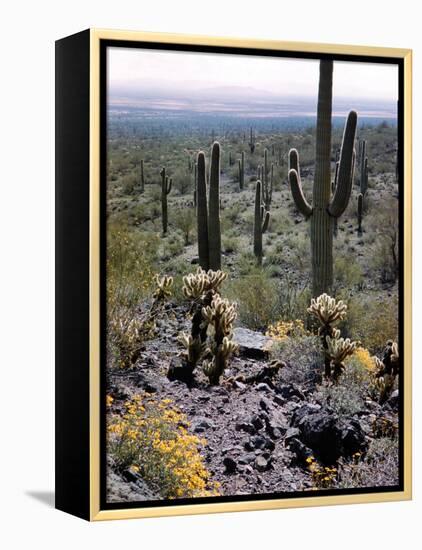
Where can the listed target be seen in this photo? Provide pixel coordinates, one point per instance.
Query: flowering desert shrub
(151, 437)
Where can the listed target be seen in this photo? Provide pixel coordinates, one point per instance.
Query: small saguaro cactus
(208, 212)
(142, 177)
(267, 185)
(252, 142)
(261, 221)
(363, 167)
(242, 171)
(166, 184)
(325, 207)
(360, 213)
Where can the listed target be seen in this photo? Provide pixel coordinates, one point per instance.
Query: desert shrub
(348, 396)
(131, 255)
(255, 294)
(185, 221)
(152, 437)
(347, 274)
(323, 477)
(378, 468)
(172, 245)
(302, 355)
(230, 244)
(285, 329)
(372, 321)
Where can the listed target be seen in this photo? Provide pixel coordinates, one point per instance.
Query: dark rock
(194, 260)
(178, 370)
(245, 427)
(264, 404)
(246, 459)
(278, 400)
(230, 464)
(291, 433)
(252, 344)
(288, 391)
(327, 435)
(261, 464)
(394, 400)
(300, 449)
(263, 387)
(201, 424)
(276, 424)
(261, 442)
(257, 422)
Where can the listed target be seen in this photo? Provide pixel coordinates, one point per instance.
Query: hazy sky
(179, 71)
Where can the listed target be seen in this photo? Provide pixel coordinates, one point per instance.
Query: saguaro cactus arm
(343, 188)
(296, 186)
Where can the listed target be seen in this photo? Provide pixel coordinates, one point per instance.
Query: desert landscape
(252, 289)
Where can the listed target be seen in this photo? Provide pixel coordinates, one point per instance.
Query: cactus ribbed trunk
(257, 233)
(214, 232)
(261, 220)
(321, 223)
(202, 213)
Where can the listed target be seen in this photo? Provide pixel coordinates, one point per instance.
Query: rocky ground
(259, 426)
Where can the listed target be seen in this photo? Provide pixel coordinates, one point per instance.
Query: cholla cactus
(337, 350)
(385, 385)
(196, 285)
(163, 290)
(200, 287)
(194, 348)
(220, 316)
(328, 311)
(387, 370)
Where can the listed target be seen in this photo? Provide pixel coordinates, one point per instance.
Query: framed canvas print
(233, 274)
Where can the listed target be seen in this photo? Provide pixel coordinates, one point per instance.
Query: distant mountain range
(238, 101)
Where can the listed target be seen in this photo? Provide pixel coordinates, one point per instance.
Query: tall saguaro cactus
(325, 207)
(166, 183)
(242, 171)
(214, 232)
(252, 142)
(208, 212)
(261, 220)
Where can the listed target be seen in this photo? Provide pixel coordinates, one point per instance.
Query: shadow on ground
(45, 497)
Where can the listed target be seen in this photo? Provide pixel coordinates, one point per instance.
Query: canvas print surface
(253, 276)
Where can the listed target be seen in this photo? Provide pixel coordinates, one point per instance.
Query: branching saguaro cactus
(200, 288)
(325, 207)
(252, 141)
(261, 221)
(328, 311)
(242, 171)
(220, 315)
(208, 213)
(166, 184)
